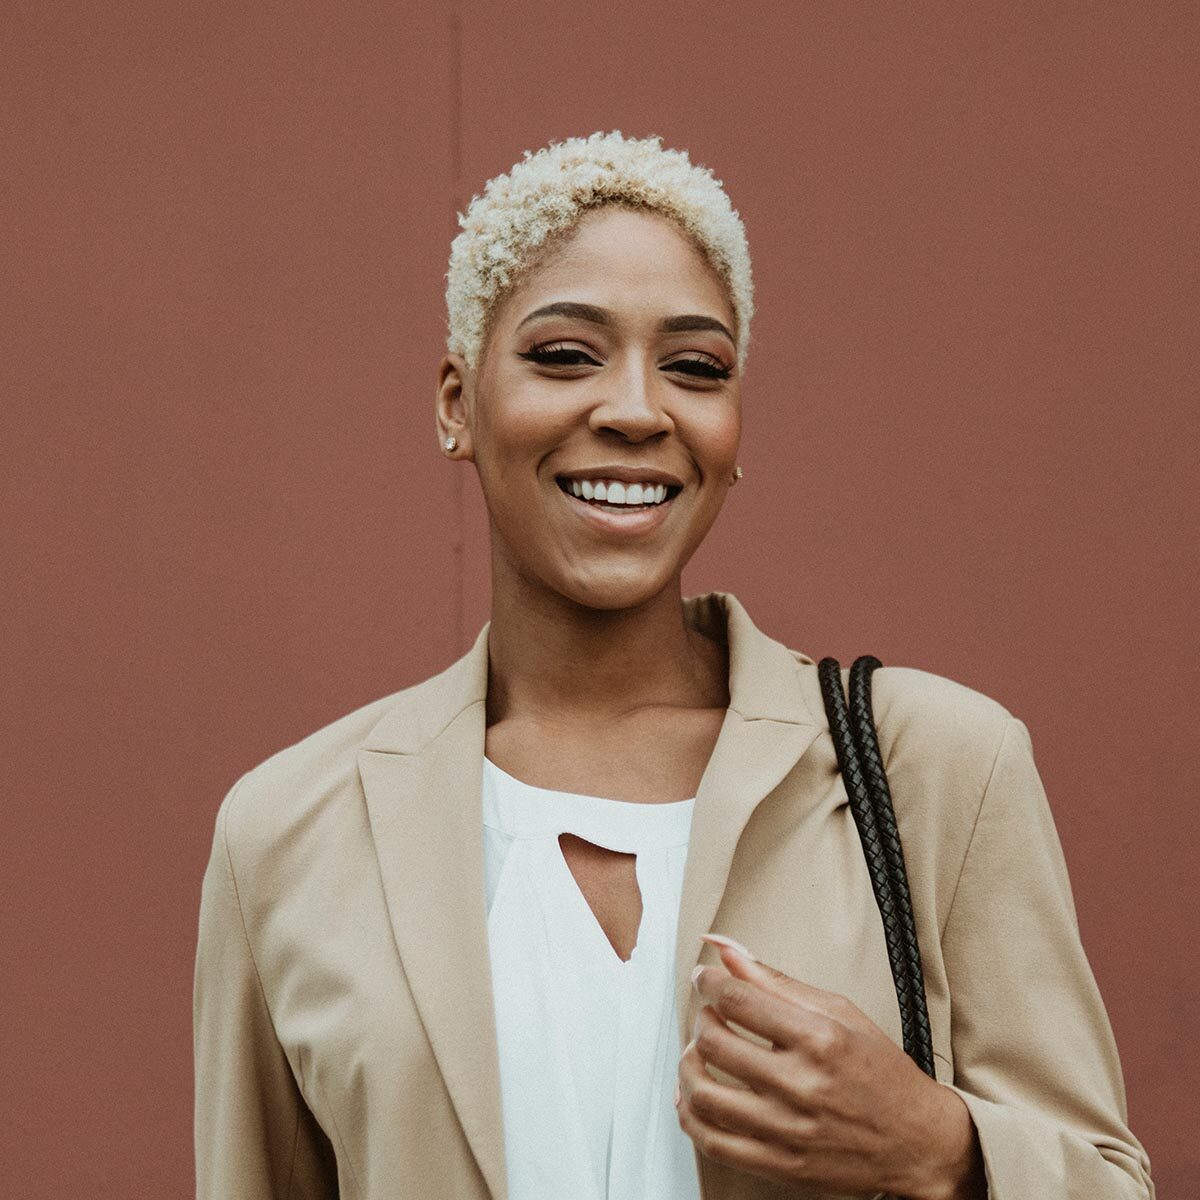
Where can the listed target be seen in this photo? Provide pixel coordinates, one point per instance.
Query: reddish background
(971, 424)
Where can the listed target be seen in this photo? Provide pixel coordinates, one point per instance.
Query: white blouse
(589, 1044)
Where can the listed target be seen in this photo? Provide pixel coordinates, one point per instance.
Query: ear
(453, 403)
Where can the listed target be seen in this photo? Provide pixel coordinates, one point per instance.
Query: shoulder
(295, 796)
(927, 723)
(941, 741)
(921, 707)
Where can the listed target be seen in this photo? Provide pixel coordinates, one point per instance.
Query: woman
(459, 942)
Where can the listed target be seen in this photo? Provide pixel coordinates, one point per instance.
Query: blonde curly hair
(546, 194)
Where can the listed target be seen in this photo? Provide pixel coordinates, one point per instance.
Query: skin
(831, 1102)
(565, 599)
(598, 685)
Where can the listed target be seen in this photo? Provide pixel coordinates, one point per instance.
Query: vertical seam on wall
(457, 555)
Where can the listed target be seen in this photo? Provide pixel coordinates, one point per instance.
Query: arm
(1035, 1061)
(255, 1138)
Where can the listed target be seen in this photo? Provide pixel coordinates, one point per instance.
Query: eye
(557, 355)
(708, 368)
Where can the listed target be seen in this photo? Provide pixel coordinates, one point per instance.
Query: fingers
(754, 1065)
(773, 1015)
(806, 995)
(732, 1124)
(737, 1150)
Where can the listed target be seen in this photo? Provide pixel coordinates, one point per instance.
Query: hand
(832, 1102)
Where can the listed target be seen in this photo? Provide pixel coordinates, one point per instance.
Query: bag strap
(861, 765)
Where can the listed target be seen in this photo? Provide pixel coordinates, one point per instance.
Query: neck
(554, 660)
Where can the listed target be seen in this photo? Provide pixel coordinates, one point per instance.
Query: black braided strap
(918, 1038)
(863, 808)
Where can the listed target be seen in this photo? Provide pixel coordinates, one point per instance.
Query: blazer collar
(421, 767)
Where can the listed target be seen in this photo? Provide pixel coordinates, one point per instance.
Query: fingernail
(677, 1095)
(720, 939)
(696, 974)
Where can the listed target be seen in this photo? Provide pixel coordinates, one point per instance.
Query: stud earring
(451, 443)
(737, 474)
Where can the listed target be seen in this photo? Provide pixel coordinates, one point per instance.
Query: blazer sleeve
(255, 1137)
(1035, 1060)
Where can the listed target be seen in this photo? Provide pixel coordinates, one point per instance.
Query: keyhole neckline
(522, 810)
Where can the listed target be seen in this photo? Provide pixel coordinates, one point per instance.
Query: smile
(632, 508)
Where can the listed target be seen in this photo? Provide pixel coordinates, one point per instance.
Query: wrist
(952, 1168)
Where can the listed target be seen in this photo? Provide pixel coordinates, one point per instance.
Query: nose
(632, 405)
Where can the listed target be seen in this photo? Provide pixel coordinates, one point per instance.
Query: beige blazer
(344, 1035)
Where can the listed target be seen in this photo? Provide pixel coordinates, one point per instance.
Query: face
(611, 363)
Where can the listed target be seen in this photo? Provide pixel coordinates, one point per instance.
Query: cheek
(719, 434)
(512, 439)
(527, 420)
(525, 423)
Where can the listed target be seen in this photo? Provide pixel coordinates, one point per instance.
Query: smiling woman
(614, 362)
(450, 945)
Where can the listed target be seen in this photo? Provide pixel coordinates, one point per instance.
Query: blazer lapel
(767, 729)
(422, 773)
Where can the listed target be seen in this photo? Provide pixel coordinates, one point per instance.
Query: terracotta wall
(970, 436)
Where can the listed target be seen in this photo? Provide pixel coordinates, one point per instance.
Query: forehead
(625, 259)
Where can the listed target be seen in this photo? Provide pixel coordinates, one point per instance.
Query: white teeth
(612, 491)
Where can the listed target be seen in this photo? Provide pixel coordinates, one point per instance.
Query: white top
(589, 1044)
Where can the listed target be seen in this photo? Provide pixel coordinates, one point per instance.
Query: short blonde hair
(547, 193)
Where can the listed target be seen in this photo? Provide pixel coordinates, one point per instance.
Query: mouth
(622, 517)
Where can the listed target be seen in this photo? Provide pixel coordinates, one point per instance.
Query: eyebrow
(601, 316)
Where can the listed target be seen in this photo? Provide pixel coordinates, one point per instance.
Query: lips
(622, 519)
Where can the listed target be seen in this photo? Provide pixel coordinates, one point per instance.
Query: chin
(614, 590)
